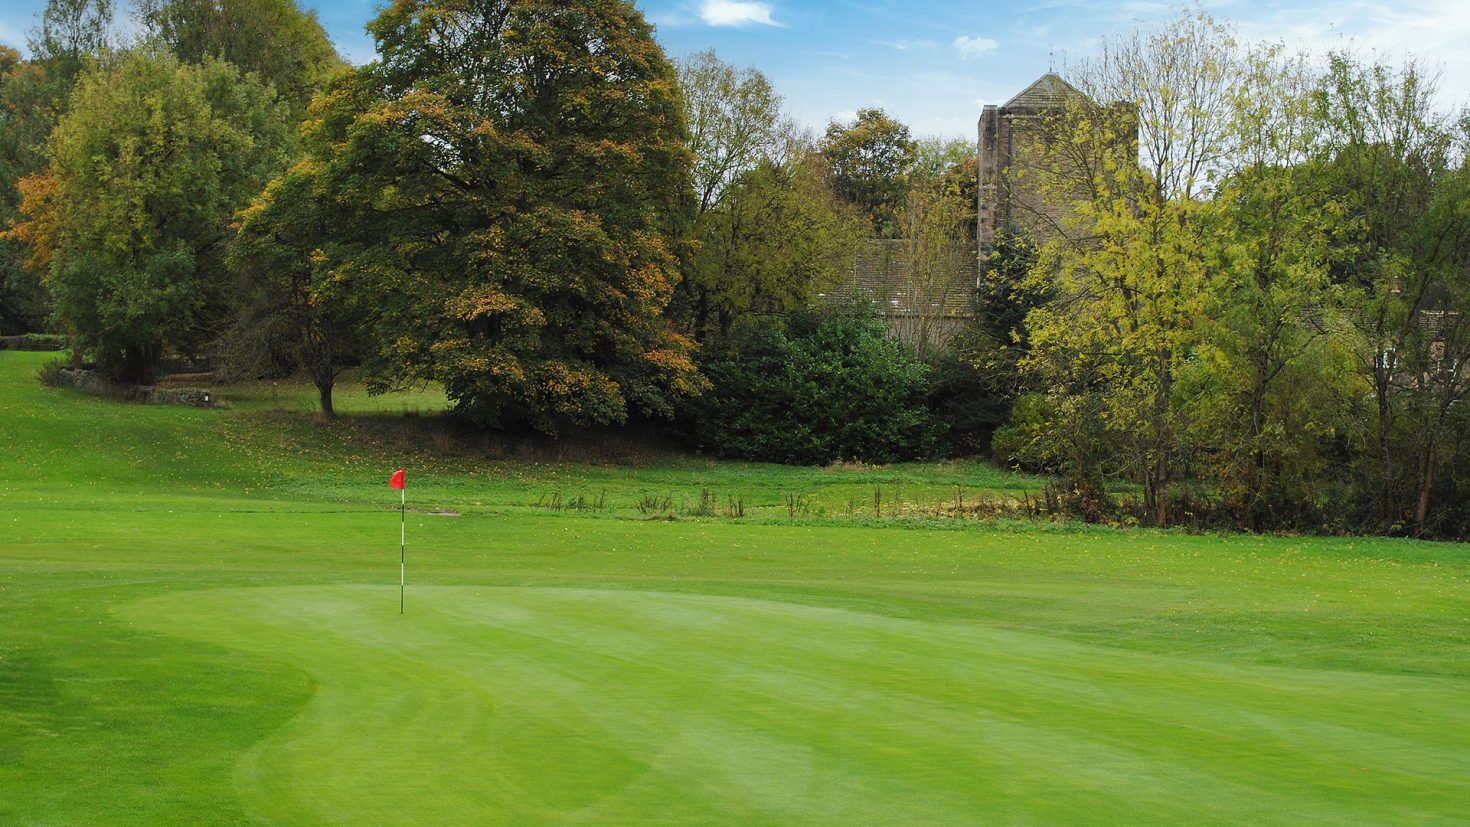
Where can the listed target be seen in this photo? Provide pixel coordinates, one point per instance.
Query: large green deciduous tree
(278, 41)
(507, 186)
(871, 159)
(132, 216)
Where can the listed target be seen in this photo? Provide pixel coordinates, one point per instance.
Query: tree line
(524, 201)
(1246, 305)
(1256, 287)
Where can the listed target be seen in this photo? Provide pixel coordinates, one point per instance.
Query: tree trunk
(324, 392)
(1150, 492)
(1385, 454)
(140, 364)
(1163, 440)
(1257, 477)
(1161, 498)
(727, 322)
(701, 314)
(1428, 459)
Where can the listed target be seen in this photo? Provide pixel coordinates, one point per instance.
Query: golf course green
(199, 624)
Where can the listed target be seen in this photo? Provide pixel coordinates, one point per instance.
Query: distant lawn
(200, 626)
(272, 429)
(349, 396)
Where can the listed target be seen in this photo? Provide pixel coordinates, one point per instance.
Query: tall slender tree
(1127, 260)
(735, 123)
(293, 305)
(1274, 340)
(1390, 151)
(69, 33)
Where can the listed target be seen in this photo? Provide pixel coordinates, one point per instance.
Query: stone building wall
(931, 307)
(1009, 140)
(925, 310)
(1013, 147)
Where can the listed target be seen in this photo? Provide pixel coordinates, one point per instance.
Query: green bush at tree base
(825, 386)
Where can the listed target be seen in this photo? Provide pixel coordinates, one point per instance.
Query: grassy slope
(559, 667)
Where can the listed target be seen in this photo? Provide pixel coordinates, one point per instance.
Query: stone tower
(1005, 132)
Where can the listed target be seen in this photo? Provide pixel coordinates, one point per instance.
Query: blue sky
(934, 63)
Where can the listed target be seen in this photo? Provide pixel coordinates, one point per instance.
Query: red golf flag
(397, 481)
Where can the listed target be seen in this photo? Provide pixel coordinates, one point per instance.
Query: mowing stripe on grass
(536, 705)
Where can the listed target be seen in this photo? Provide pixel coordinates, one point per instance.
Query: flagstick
(402, 541)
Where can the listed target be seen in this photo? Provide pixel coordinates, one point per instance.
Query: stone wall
(923, 309)
(33, 341)
(92, 382)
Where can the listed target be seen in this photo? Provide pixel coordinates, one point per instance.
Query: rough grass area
(200, 625)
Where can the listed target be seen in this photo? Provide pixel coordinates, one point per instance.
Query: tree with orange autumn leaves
(39, 231)
(28, 98)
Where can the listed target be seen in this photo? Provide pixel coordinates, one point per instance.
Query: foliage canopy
(131, 218)
(507, 187)
(871, 159)
(275, 39)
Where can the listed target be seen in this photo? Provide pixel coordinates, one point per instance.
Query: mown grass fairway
(198, 624)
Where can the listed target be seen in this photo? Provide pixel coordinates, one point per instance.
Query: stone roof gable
(1047, 92)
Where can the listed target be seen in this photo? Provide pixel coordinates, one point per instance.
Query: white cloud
(672, 18)
(907, 44)
(1432, 30)
(736, 13)
(969, 47)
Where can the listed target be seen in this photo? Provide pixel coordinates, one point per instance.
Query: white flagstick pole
(402, 541)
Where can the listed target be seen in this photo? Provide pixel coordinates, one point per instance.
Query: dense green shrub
(975, 380)
(50, 373)
(969, 394)
(816, 389)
